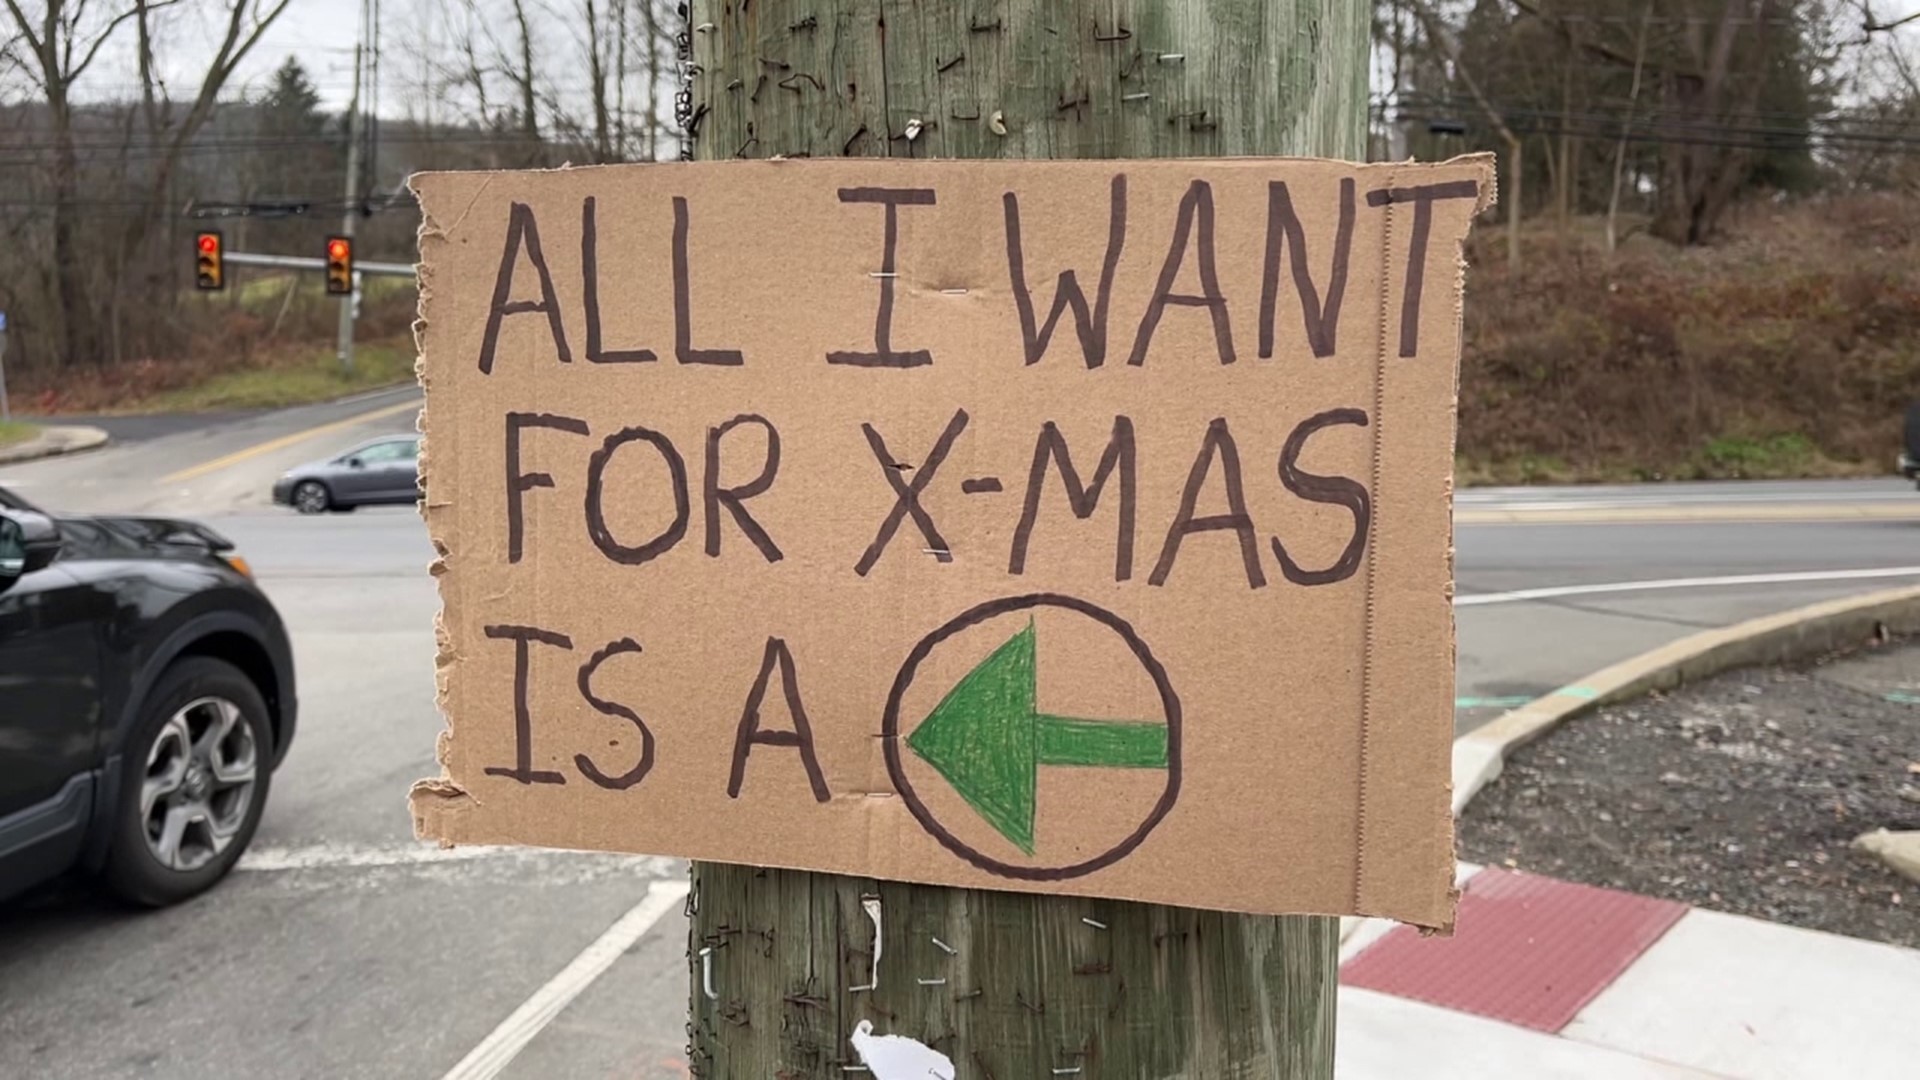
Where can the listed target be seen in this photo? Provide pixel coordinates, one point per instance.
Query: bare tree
(62, 43)
(246, 22)
(62, 39)
(522, 76)
(570, 67)
(1711, 69)
(1438, 33)
(599, 42)
(1871, 24)
(1702, 179)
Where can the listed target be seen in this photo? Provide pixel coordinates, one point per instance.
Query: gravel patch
(1738, 794)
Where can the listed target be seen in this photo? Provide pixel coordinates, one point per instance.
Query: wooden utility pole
(1035, 986)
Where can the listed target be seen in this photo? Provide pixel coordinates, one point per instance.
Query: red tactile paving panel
(1527, 950)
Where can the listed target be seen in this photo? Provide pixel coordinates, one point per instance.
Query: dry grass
(266, 343)
(295, 379)
(13, 431)
(1790, 349)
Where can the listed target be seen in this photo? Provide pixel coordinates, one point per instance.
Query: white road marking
(331, 856)
(328, 856)
(1625, 499)
(1551, 592)
(500, 1047)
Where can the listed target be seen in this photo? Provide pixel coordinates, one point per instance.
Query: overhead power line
(1642, 109)
(1828, 131)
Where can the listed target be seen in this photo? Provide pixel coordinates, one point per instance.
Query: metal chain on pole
(684, 116)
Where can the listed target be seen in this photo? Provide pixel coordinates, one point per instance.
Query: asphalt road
(345, 948)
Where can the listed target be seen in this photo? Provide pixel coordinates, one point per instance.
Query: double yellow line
(194, 472)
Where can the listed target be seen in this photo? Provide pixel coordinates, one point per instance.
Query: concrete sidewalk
(1546, 978)
(52, 441)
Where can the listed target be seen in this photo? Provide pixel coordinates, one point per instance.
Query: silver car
(381, 471)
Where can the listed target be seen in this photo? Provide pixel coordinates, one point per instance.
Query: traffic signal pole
(1011, 986)
(352, 214)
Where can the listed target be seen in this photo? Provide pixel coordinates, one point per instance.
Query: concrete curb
(53, 441)
(1480, 754)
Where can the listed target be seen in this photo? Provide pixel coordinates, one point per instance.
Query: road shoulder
(53, 441)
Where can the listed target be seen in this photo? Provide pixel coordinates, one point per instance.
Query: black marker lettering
(1218, 441)
(522, 232)
(1338, 490)
(1082, 499)
(590, 294)
(683, 349)
(735, 497)
(1284, 229)
(518, 483)
(749, 734)
(1422, 199)
(883, 354)
(907, 494)
(1090, 325)
(522, 638)
(613, 708)
(596, 483)
(1196, 213)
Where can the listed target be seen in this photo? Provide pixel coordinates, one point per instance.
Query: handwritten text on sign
(1057, 526)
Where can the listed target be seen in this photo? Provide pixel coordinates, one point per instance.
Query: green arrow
(988, 738)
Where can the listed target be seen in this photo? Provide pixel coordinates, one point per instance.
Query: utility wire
(1623, 105)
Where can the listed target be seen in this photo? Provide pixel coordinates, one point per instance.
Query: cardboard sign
(1065, 527)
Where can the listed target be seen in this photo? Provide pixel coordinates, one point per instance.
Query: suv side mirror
(29, 541)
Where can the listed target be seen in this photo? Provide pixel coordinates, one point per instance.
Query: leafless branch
(113, 24)
(26, 25)
(1442, 37)
(1871, 25)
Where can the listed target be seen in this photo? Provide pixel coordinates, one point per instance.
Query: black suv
(146, 695)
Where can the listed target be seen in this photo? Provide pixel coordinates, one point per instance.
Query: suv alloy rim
(199, 783)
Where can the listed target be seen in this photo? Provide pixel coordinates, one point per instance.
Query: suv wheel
(194, 782)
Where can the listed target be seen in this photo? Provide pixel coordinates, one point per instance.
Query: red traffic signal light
(339, 265)
(209, 269)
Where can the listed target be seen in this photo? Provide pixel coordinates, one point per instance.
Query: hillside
(1791, 347)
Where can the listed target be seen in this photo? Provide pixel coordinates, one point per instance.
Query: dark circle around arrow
(974, 616)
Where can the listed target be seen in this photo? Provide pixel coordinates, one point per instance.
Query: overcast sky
(320, 33)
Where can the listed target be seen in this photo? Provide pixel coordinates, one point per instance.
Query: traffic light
(209, 270)
(340, 265)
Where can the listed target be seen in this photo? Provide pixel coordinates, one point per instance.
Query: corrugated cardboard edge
(433, 800)
(1487, 166)
(1489, 197)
